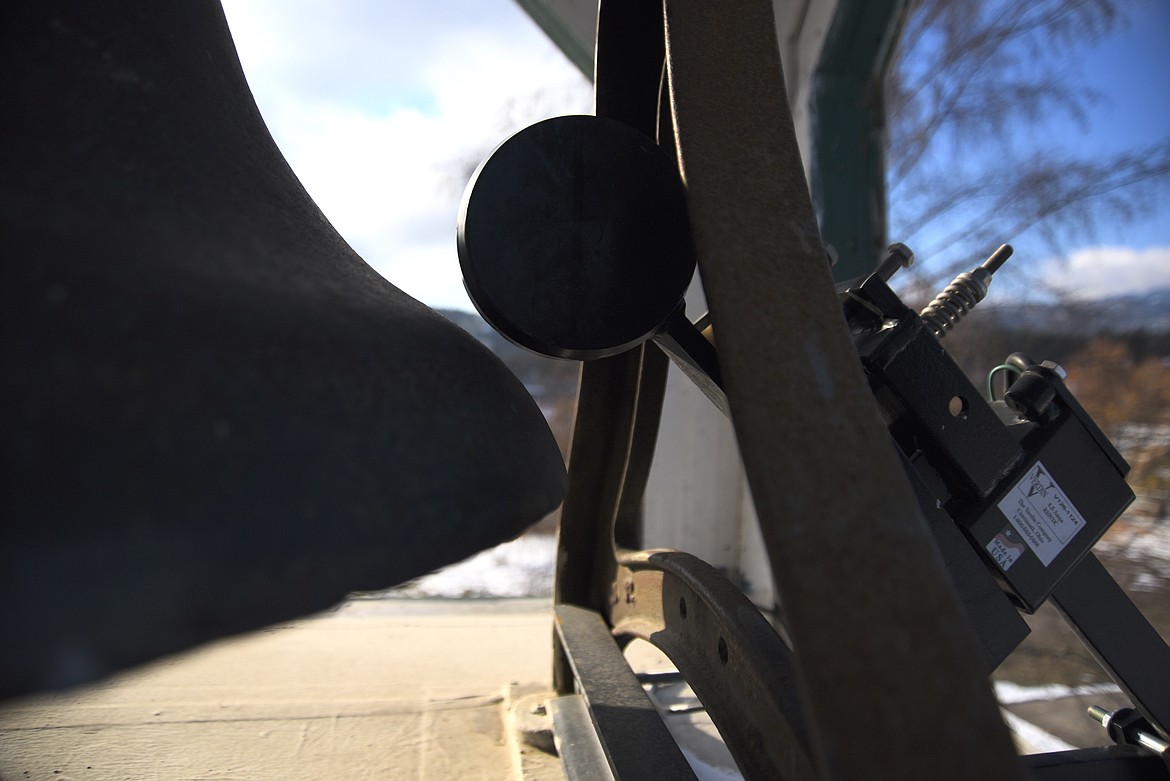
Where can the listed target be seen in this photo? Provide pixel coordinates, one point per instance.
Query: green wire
(991, 377)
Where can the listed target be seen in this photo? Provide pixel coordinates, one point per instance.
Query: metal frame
(745, 674)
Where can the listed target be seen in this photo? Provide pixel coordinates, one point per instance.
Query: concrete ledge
(382, 689)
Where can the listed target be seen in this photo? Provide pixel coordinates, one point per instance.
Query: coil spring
(956, 301)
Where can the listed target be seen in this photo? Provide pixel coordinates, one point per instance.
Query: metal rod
(636, 741)
(998, 258)
(898, 257)
(1119, 636)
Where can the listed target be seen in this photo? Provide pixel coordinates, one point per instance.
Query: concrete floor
(378, 689)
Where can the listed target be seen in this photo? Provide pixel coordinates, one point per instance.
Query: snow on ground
(520, 568)
(1142, 539)
(524, 566)
(1012, 694)
(1131, 437)
(1037, 740)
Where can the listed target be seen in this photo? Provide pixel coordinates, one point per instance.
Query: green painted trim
(848, 167)
(848, 171)
(580, 53)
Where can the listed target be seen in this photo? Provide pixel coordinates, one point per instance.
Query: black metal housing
(1034, 485)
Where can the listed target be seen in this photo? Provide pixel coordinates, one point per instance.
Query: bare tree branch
(976, 92)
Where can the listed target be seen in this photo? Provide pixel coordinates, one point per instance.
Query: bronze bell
(215, 415)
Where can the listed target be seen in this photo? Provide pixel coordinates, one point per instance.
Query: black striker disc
(574, 238)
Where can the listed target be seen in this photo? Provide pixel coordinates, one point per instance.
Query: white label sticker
(1042, 513)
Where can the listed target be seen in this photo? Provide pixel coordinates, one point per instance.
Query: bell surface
(215, 415)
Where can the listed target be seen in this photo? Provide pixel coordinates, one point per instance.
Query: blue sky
(1133, 67)
(1129, 72)
(379, 106)
(382, 106)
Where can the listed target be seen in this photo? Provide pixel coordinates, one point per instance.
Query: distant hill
(1044, 331)
(1058, 332)
(1149, 312)
(545, 378)
(1139, 312)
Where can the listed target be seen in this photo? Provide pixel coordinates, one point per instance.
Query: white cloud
(1100, 272)
(378, 107)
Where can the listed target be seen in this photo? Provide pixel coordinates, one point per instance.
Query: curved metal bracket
(733, 659)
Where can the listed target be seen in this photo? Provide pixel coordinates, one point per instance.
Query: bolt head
(1057, 368)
